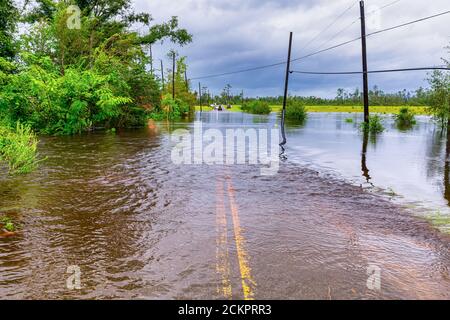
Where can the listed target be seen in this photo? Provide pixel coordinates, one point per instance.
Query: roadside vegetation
(18, 148)
(69, 73)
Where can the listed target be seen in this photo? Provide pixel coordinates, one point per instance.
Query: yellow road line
(222, 253)
(248, 283)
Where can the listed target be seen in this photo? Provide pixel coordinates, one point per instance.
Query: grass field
(345, 109)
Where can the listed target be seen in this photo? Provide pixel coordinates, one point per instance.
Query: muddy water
(139, 226)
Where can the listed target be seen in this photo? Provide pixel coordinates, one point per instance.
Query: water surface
(140, 227)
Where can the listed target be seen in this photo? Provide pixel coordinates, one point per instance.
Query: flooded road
(138, 226)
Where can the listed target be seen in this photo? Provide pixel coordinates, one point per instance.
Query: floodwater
(340, 219)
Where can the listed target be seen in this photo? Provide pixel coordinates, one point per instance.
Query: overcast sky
(230, 35)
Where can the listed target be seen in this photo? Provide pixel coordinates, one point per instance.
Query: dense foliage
(68, 78)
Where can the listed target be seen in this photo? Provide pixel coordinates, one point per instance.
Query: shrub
(405, 118)
(256, 107)
(18, 148)
(171, 109)
(296, 111)
(374, 126)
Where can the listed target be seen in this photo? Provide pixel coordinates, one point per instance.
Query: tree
(8, 23)
(440, 95)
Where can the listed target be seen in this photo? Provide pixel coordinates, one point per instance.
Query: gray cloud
(233, 35)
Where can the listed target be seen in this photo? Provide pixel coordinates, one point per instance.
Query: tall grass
(18, 148)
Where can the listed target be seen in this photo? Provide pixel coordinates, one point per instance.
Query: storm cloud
(233, 35)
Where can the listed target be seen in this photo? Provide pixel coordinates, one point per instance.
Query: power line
(409, 23)
(371, 34)
(331, 24)
(383, 7)
(353, 22)
(323, 50)
(374, 71)
(240, 71)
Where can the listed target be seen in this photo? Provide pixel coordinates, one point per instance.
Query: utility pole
(162, 74)
(200, 96)
(364, 63)
(242, 98)
(151, 60)
(186, 80)
(173, 75)
(286, 87)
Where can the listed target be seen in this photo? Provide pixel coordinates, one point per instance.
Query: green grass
(18, 148)
(343, 109)
(440, 221)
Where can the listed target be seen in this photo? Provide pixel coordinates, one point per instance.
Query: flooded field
(139, 226)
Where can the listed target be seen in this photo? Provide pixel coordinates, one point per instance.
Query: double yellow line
(223, 261)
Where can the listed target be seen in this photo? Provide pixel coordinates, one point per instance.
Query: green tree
(439, 96)
(8, 23)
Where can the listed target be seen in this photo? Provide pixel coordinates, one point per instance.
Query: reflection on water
(139, 226)
(364, 168)
(410, 164)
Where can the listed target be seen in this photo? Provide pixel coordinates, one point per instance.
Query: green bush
(18, 148)
(256, 107)
(171, 109)
(405, 118)
(374, 126)
(296, 111)
(63, 105)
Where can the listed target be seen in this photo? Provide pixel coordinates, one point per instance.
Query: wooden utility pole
(162, 74)
(364, 63)
(173, 75)
(186, 80)
(151, 60)
(286, 88)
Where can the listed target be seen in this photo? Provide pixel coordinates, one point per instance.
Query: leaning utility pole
(162, 74)
(286, 87)
(364, 63)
